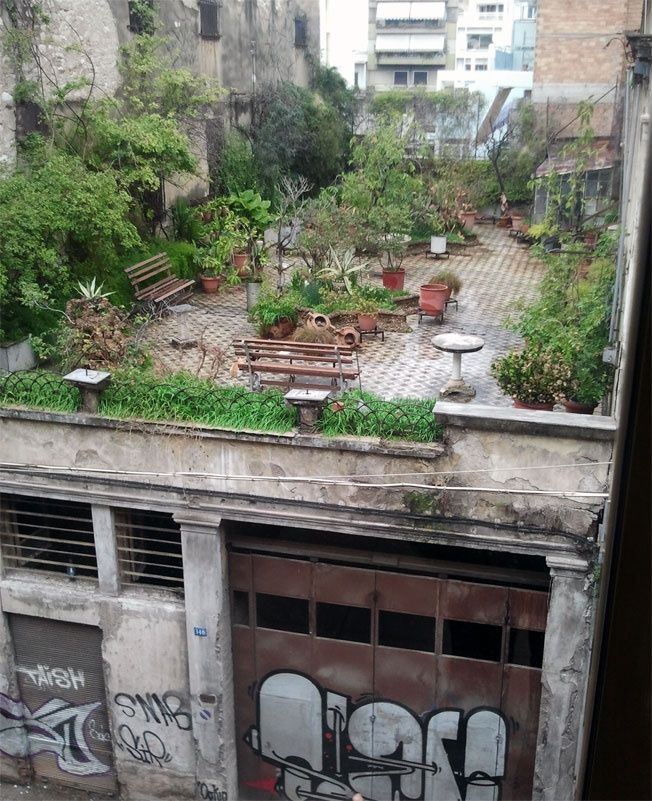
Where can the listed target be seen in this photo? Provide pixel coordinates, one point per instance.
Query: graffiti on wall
(160, 711)
(167, 709)
(46, 676)
(56, 727)
(327, 747)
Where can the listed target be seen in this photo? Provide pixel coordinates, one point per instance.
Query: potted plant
(276, 315)
(433, 297)
(392, 249)
(438, 240)
(342, 269)
(451, 280)
(211, 262)
(535, 377)
(589, 379)
(367, 311)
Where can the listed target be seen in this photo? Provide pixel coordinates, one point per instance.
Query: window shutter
(209, 19)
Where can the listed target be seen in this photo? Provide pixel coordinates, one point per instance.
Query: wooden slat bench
(296, 365)
(155, 283)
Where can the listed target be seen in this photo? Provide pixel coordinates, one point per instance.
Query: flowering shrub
(533, 375)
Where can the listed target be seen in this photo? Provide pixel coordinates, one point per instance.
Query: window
(467, 67)
(401, 630)
(472, 640)
(420, 78)
(526, 648)
(400, 78)
(209, 19)
(300, 32)
(491, 8)
(149, 548)
(340, 622)
(481, 67)
(281, 613)
(47, 535)
(240, 608)
(478, 41)
(141, 16)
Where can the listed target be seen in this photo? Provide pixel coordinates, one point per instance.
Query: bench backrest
(149, 271)
(282, 350)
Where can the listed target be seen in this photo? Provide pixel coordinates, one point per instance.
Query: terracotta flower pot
(281, 329)
(240, 258)
(469, 218)
(367, 322)
(210, 283)
(504, 222)
(432, 298)
(539, 407)
(394, 279)
(517, 222)
(579, 408)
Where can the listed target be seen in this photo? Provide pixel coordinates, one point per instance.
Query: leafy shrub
(271, 308)
(237, 168)
(533, 375)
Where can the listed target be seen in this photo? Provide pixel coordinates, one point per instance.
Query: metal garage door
(63, 701)
(391, 685)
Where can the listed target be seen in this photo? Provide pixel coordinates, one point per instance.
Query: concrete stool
(456, 389)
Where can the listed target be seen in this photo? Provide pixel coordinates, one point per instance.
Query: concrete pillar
(106, 549)
(210, 664)
(564, 678)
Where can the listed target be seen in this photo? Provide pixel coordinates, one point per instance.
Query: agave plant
(341, 269)
(91, 290)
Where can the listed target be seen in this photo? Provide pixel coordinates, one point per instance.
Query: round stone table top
(458, 343)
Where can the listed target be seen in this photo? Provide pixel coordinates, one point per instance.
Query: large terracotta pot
(210, 283)
(539, 407)
(432, 298)
(579, 408)
(394, 279)
(469, 218)
(239, 259)
(517, 222)
(367, 322)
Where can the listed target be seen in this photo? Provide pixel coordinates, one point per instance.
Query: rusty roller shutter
(63, 701)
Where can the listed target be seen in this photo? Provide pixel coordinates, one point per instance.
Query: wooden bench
(296, 365)
(154, 282)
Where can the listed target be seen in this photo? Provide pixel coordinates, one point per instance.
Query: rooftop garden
(299, 209)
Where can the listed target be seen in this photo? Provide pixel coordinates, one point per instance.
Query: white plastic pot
(438, 244)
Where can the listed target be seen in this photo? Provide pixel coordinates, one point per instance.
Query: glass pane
(339, 622)
(401, 630)
(240, 608)
(526, 648)
(281, 613)
(472, 640)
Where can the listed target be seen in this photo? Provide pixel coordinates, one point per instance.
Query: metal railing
(149, 549)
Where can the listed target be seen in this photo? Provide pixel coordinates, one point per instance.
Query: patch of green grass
(184, 398)
(40, 390)
(363, 414)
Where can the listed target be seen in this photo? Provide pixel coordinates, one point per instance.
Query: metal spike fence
(183, 398)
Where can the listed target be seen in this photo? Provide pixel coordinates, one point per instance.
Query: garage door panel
(528, 609)
(465, 601)
(344, 585)
(417, 594)
(520, 705)
(240, 568)
(275, 575)
(343, 667)
(467, 683)
(277, 650)
(407, 677)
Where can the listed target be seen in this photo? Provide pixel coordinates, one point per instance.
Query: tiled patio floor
(495, 274)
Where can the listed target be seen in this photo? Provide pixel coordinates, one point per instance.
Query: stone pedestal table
(456, 389)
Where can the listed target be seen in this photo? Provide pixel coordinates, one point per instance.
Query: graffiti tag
(45, 676)
(56, 727)
(147, 747)
(211, 792)
(168, 709)
(327, 747)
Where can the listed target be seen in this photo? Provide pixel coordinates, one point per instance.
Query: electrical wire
(346, 481)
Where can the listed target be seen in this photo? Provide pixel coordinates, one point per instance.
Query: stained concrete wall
(145, 670)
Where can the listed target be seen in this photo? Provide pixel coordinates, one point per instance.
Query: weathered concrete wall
(7, 111)
(146, 675)
(416, 501)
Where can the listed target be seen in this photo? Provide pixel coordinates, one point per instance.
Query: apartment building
(409, 41)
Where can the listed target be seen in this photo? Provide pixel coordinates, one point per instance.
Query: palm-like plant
(92, 290)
